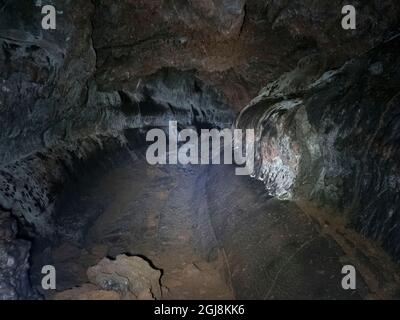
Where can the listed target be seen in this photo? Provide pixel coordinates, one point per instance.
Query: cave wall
(65, 93)
(29, 185)
(335, 141)
(44, 74)
(14, 263)
(58, 85)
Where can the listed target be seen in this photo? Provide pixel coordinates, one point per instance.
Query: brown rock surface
(125, 278)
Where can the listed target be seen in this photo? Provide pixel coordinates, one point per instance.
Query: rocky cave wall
(335, 141)
(67, 95)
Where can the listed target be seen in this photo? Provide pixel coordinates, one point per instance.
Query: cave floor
(162, 223)
(153, 212)
(259, 247)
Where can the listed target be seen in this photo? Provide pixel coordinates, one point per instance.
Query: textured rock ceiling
(237, 45)
(102, 47)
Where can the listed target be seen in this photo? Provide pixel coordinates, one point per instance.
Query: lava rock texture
(14, 266)
(125, 278)
(70, 94)
(335, 140)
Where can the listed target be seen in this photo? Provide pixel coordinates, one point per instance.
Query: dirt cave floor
(213, 235)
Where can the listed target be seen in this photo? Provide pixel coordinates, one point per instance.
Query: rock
(43, 74)
(125, 278)
(29, 186)
(237, 46)
(87, 292)
(65, 85)
(8, 227)
(68, 97)
(14, 254)
(132, 275)
(14, 266)
(334, 141)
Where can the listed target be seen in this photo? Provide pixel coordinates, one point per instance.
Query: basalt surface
(335, 141)
(73, 100)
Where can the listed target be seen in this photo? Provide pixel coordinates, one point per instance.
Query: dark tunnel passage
(214, 235)
(317, 109)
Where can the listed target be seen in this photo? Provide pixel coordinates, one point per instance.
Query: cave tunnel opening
(211, 233)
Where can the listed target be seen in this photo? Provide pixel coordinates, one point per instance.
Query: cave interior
(78, 194)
